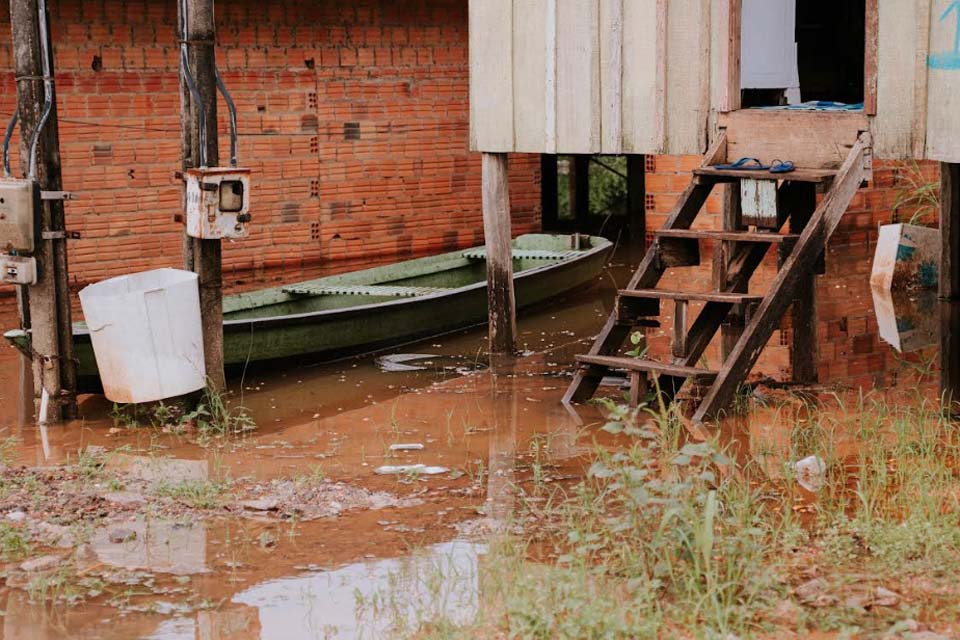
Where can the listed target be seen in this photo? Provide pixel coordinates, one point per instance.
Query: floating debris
(810, 473)
(396, 361)
(412, 446)
(414, 469)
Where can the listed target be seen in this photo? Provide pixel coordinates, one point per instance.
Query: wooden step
(713, 174)
(732, 236)
(648, 366)
(709, 296)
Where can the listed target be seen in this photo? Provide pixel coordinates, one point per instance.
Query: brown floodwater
(359, 573)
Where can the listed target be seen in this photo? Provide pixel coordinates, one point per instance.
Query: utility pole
(197, 33)
(54, 366)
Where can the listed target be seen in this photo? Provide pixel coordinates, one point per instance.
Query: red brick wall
(299, 72)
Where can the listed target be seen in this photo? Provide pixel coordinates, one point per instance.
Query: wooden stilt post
(950, 231)
(580, 191)
(950, 285)
(54, 367)
(798, 200)
(196, 21)
(637, 198)
(501, 307)
(732, 220)
(549, 205)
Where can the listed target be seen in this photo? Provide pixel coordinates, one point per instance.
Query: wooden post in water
(637, 197)
(54, 366)
(501, 305)
(799, 201)
(580, 191)
(950, 231)
(549, 202)
(950, 285)
(196, 21)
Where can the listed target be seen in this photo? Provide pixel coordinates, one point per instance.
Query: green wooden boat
(375, 308)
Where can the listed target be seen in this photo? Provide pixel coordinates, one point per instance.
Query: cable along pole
(54, 364)
(198, 99)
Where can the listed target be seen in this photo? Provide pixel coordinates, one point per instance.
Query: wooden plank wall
(943, 86)
(589, 76)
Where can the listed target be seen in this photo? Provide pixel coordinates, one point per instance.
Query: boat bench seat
(525, 254)
(361, 290)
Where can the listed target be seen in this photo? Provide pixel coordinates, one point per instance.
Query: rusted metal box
(218, 202)
(19, 206)
(18, 269)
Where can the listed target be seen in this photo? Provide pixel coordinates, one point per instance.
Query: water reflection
(372, 599)
(907, 321)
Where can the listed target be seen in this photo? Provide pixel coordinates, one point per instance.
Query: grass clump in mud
(669, 537)
(211, 416)
(196, 494)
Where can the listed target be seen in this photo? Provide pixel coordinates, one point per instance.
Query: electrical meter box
(19, 207)
(218, 202)
(18, 269)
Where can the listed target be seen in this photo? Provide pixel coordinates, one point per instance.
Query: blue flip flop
(784, 166)
(744, 164)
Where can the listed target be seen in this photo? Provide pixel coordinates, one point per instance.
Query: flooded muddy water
(263, 572)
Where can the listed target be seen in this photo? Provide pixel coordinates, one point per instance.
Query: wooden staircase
(750, 319)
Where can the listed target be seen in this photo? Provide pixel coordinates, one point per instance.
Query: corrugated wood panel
(644, 63)
(491, 75)
(901, 61)
(611, 75)
(688, 76)
(578, 76)
(533, 48)
(943, 85)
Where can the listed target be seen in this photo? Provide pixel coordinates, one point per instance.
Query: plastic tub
(146, 334)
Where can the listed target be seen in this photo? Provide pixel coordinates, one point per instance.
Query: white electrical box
(218, 202)
(19, 206)
(18, 269)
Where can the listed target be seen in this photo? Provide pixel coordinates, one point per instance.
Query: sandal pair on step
(752, 164)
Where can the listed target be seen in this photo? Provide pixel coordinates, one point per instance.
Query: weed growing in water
(666, 537)
(14, 542)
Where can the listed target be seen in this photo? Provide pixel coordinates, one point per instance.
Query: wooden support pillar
(950, 356)
(580, 191)
(501, 305)
(950, 286)
(54, 366)
(731, 220)
(799, 200)
(637, 198)
(950, 231)
(196, 20)
(549, 202)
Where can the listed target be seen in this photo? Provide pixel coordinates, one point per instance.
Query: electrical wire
(6, 142)
(47, 87)
(232, 108)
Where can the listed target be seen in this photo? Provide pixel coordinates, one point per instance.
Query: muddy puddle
(291, 532)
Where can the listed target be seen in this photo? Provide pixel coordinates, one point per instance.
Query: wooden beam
(871, 56)
(54, 366)
(549, 204)
(637, 197)
(950, 231)
(203, 256)
(798, 200)
(501, 305)
(580, 191)
(950, 356)
(801, 261)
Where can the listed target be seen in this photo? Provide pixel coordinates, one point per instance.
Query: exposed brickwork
(353, 117)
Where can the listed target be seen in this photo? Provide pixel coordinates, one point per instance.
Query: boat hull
(368, 327)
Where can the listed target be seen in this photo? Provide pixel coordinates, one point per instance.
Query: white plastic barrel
(146, 334)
